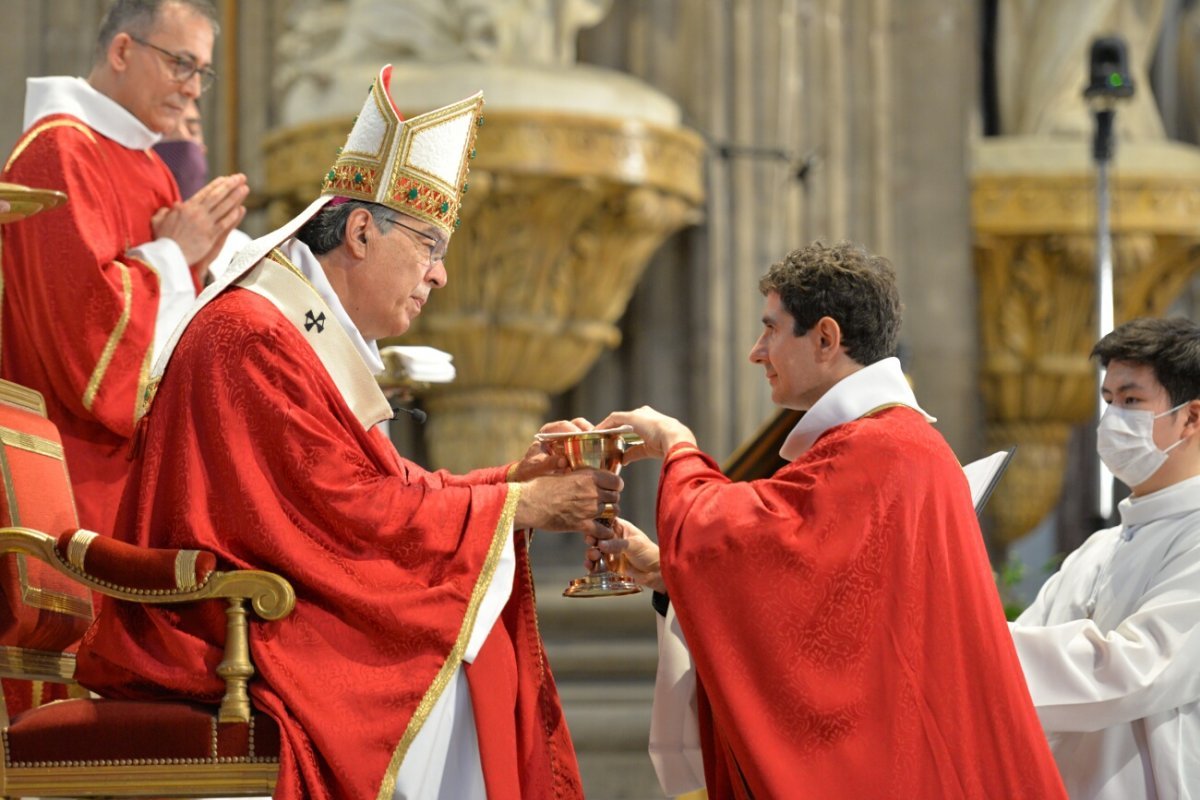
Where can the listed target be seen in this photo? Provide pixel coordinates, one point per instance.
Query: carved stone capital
(1035, 245)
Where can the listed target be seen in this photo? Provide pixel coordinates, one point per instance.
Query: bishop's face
(403, 265)
(789, 360)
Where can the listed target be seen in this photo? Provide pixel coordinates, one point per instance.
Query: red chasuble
(78, 314)
(250, 450)
(848, 638)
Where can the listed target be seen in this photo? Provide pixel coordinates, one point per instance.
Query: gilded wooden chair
(84, 746)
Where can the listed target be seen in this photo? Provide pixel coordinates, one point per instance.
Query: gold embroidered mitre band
(416, 166)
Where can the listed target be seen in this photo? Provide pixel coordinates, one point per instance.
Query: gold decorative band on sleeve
(78, 546)
(687, 448)
(114, 338)
(511, 472)
(185, 569)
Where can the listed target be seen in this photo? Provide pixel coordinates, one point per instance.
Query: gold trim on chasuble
(33, 134)
(142, 398)
(290, 292)
(114, 338)
(504, 529)
(885, 407)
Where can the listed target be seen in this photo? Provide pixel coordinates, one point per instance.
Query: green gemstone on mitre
(412, 193)
(445, 207)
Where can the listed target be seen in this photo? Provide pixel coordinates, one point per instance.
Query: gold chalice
(597, 449)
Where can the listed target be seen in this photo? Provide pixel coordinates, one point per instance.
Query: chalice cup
(599, 450)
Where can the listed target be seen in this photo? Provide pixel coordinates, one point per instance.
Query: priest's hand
(541, 459)
(570, 502)
(658, 431)
(200, 224)
(641, 554)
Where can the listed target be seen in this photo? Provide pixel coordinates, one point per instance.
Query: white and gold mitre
(416, 166)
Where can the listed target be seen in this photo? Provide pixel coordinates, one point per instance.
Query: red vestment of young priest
(847, 634)
(251, 451)
(79, 313)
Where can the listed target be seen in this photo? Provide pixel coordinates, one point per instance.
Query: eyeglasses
(182, 67)
(437, 250)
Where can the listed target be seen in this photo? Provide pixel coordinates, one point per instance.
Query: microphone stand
(1102, 148)
(1109, 82)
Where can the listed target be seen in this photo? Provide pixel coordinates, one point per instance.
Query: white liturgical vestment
(1111, 650)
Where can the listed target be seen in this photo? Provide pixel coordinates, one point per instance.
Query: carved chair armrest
(159, 576)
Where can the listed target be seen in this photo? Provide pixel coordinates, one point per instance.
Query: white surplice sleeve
(1083, 679)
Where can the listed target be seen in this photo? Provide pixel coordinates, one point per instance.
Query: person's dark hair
(1170, 347)
(138, 17)
(847, 283)
(327, 228)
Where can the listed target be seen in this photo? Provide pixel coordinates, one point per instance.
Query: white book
(984, 474)
(419, 363)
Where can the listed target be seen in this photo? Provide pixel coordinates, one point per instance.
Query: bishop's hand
(570, 502)
(541, 459)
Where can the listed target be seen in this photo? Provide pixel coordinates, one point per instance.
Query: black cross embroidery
(311, 322)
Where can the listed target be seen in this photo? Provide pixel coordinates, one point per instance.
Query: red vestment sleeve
(848, 638)
(250, 451)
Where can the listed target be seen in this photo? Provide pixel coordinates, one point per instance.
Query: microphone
(417, 414)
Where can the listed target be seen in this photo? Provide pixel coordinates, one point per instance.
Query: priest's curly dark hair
(1171, 347)
(846, 283)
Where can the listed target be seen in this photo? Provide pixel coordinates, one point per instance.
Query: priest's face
(790, 361)
(147, 67)
(403, 264)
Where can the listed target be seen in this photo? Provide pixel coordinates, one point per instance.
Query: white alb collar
(1178, 498)
(879, 384)
(76, 97)
(299, 254)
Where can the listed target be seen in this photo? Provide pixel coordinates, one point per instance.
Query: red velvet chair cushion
(134, 567)
(82, 731)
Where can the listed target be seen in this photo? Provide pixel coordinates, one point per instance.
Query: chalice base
(601, 584)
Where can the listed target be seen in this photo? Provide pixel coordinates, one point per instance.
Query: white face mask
(1125, 442)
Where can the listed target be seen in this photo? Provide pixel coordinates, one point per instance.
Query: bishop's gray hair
(326, 230)
(138, 18)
